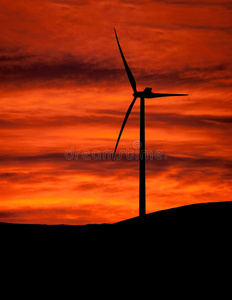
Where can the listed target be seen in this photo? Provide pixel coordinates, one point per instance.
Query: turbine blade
(168, 95)
(128, 71)
(124, 123)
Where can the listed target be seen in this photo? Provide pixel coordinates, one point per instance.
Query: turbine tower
(147, 93)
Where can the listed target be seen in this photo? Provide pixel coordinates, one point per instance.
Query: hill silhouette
(196, 222)
(173, 245)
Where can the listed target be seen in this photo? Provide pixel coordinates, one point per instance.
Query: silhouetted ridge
(206, 218)
(192, 214)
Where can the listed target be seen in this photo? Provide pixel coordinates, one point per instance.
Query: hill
(178, 242)
(191, 222)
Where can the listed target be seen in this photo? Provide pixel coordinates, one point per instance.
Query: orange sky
(64, 89)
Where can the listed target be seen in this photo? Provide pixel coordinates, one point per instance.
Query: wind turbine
(147, 93)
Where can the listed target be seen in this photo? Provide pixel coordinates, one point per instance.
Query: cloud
(26, 70)
(108, 188)
(14, 58)
(226, 4)
(170, 177)
(56, 73)
(57, 121)
(200, 122)
(98, 162)
(113, 118)
(30, 177)
(68, 2)
(225, 29)
(209, 76)
(81, 214)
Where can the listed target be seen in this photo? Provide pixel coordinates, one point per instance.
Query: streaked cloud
(63, 85)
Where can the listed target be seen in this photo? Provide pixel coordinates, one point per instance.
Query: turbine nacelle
(147, 93)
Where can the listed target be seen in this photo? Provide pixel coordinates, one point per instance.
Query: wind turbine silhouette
(147, 93)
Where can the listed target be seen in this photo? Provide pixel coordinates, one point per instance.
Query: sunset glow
(64, 94)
